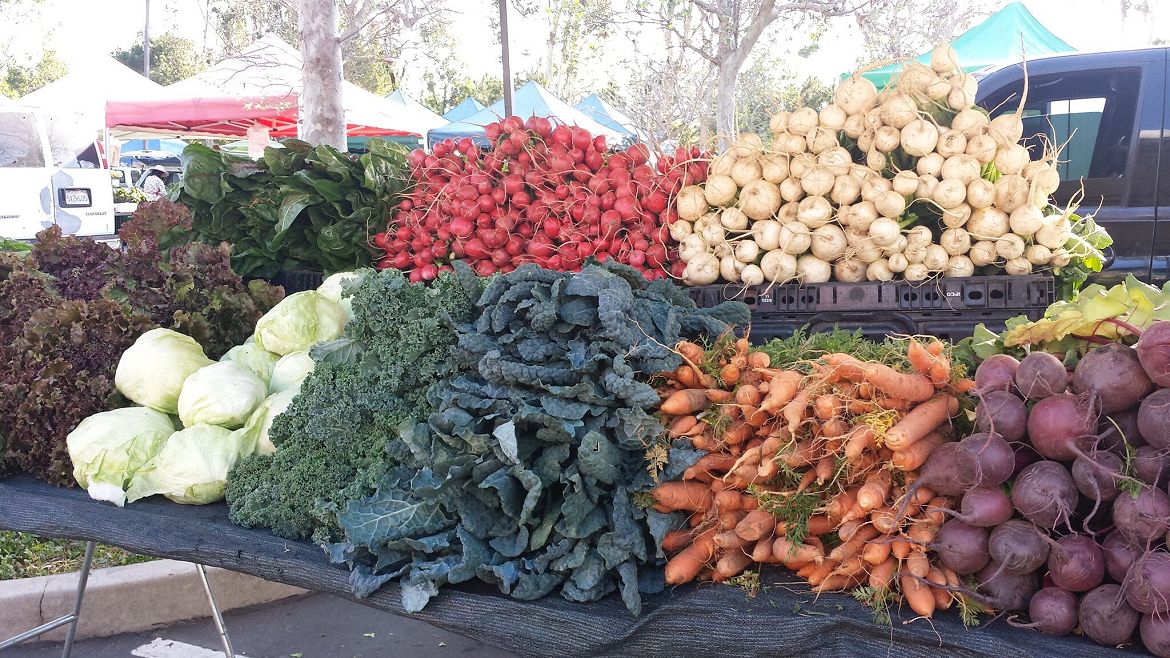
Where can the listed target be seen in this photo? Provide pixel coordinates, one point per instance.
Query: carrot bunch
(809, 466)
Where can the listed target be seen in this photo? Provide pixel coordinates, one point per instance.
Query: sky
(79, 29)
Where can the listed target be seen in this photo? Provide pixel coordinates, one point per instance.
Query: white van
(51, 172)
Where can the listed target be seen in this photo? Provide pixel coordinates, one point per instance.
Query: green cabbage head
(290, 371)
(299, 321)
(253, 357)
(152, 371)
(192, 467)
(108, 449)
(332, 288)
(223, 394)
(256, 430)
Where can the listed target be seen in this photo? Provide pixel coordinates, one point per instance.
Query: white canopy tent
(87, 86)
(421, 119)
(269, 67)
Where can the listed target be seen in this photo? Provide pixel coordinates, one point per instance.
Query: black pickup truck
(1110, 110)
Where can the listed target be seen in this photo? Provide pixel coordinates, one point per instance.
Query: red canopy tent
(222, 116)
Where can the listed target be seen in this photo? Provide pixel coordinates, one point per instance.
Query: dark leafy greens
(527, 473)
(298, 207)
(332, 440)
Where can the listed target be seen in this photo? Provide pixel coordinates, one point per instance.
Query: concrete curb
(129, 599)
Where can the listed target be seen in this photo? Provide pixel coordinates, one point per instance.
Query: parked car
(52, 172)
(1109, 110)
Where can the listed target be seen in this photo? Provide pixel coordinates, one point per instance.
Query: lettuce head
(109, 448)
(152, 371)
(192, 467)
(299, 321)
(223, 394)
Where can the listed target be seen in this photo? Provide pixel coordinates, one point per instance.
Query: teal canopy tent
(529, 100)
(464, 109)
(598, 109)
(996, 40)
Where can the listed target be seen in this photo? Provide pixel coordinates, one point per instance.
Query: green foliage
(877, 599)
(172, 58)
(300, 207)
(20, 80)
(1071, 326)
(527, 473)
(801, 348)
(26, 556)
(331, 442)
(129, 195)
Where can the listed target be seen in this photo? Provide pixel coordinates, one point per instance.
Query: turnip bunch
(910, 181)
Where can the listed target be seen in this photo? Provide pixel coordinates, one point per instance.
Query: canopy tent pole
(505, 58)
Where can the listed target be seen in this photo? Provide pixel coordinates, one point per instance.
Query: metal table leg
(215, 614)
(69, 619)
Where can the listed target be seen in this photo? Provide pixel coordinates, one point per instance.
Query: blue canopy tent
(414, 117)
(175, 146)
(529, 100)
(467, 107)
(598, 109)
(997, 40)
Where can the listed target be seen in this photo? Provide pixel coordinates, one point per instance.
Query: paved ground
(314, 626)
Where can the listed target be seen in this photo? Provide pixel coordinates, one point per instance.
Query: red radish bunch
(545, 194)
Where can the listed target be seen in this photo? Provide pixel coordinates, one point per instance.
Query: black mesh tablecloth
(708, 620)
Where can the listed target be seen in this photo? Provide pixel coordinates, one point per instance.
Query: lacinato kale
(526, 474)
(332, 440)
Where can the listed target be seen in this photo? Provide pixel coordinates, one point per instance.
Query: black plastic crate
(951, 325)
(298, 280)
(983, 292)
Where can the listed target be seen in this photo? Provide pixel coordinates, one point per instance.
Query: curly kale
(525, 475)
(332, 441)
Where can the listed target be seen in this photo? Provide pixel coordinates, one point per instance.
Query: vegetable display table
(694, 620)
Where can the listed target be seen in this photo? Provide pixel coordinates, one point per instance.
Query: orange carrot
(933, 510)
(921, 360)
(827, 406)
(884, 519)
(855, 543)
(737, 433)
(759, 360)
(917, 564)
(842, 503)
(860, 439)
(825, 468)
(834, 428)
(882, 575)
(834, 582)
(900, 548)
(687, 401)
(921, 420)
(822, 572)
(705, 442)
(806, 479)
(710, 463)
(786, 552)
(728, 520)
(728, 539)
(719, 396)
(848, 528)
(689, 351)
(872, 494)
(754, 416)
(762, 551)
(819, 524)
(804, 570)
(915, 455)
(965, 385)
(731, 565)
(793, 412)
(756, 525)
(918, 596)
(683, 568)
(748, 396)
(729, 500)
(693, 496)
(876, 552)
(851, 567)
(942, 598)
(681, 425)
(781, 389)
(676, 539)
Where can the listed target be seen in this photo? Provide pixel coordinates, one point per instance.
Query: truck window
(1089, 115)
(20, 140)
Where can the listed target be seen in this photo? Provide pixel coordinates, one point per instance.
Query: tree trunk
(725, 124)
(322, 112)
